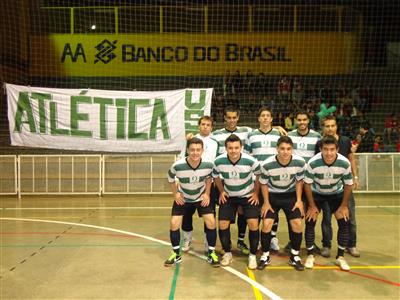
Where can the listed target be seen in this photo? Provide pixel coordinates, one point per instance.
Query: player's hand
(223, 197)
(206, 200)
(265, 208)
(254, 200)
(189, 136)
(312, 213)
(343, 212)
(281, 130)
(300, 206)
(356, 183)
(179, 199)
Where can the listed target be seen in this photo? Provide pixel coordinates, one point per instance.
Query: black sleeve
(317, 146)
(344, 146)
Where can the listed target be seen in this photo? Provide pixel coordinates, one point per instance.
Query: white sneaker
(274, 244)
(187, 241)
(341, 262)
(226, 259)
(309, 262)
(252, 262)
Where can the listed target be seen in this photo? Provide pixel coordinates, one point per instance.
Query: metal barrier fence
(142, 174)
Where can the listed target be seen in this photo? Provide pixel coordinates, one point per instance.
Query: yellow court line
(257, 293)
(335, 267)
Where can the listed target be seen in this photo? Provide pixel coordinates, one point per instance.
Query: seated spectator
(289, 125)
(379, 146)
(367, 139)
(390, 125)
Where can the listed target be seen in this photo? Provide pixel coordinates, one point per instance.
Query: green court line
(174, 281)
(81, 245)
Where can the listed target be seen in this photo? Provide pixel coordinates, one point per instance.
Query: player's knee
(253, 224)
(224, 224)
(267, 225)
(296, 225)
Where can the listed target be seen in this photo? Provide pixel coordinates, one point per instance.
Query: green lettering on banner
(24, 106)
(121, 104)
(41, 97)
(103, 102)
(132, 125)
(53, 121)
(76, 116)
(193, 110)
(159, 112)
(195, 105)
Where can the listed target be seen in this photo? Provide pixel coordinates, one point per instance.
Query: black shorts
(284, 201)
(334, 201)
(189, 209)
(227, 211)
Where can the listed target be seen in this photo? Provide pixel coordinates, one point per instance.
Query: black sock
(274, 228)
(342, 235)
(241, 223)
(187, 222)
(310, 236)
(225, 238)
(265, 241)
(295, 243)
(211, 235)
(175, 238)
(254, 237)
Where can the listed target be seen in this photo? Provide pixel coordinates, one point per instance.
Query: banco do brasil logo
(105, 53)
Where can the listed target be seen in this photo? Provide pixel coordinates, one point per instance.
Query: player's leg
(241, 225)
(227, 211)
(352, 244)
(342, 236)
(252, 213)
(326, 227)
(266, 240)
(211, 233)
(187, 229)
(174, 233)
(294, 218)
(310, 237)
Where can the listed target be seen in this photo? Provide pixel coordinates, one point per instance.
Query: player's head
(265, 116)
(364, 127)
(231, 117)
(303, 120)
(329, 125)
(205, 125)
(284, 147)
(329, 148)
(233, 146)
(194, 148)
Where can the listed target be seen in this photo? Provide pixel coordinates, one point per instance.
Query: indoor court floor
(84, 247)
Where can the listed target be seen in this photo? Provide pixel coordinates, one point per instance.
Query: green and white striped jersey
(304, 145)
(191, 181)
(262, 145)
(238, 177)
(279, 178)
(211, 148)
(328, 179)
(221, 135)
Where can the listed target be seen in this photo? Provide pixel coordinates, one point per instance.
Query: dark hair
(327, 118)
(329, 140)
(233, 138)
(364, 125)
(265, 108)
(208, 118)
(231, 109)
(284, 139)
(303, 112)
(194, 140)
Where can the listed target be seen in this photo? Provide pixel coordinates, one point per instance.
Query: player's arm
(178, 197)
(206, 195)
(254, 200)
(222, 194)
(353, 162)
(266, 206)
(312, 211)
(343, 210)
(281, 130)
(299, 192)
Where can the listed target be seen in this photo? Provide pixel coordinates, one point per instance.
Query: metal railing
(143, 174)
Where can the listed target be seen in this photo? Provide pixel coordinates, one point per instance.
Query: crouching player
(192, 191)
(281, 185)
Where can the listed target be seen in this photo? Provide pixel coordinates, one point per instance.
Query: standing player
(282, 185)
(330, 128)
(193, 190)
(240, 187)
(231, 118)
(304, 144)
(328, 180)
(261, 144)
(209, 154)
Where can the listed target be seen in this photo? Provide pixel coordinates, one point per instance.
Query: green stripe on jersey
(191, 182)
(282, 179)
(262, 145)
(221, 135)
(238, 178)
(304, 146)
(328, 179)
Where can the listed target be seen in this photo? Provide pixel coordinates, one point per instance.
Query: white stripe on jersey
(304, 145)
(221, 135)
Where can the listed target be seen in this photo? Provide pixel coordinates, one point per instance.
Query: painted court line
(257, 293)
(260, 287)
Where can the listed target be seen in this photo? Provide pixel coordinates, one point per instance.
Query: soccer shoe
(242, 247)
(264, 261)
(173, 259)
(226, 259)
(341, 262)
(353, 251)
(212, 259)
(326, 252)
(252, 265)
(309, 262)
(274, 244)
(296, 263)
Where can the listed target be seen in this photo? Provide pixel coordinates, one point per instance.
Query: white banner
(101, 120)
